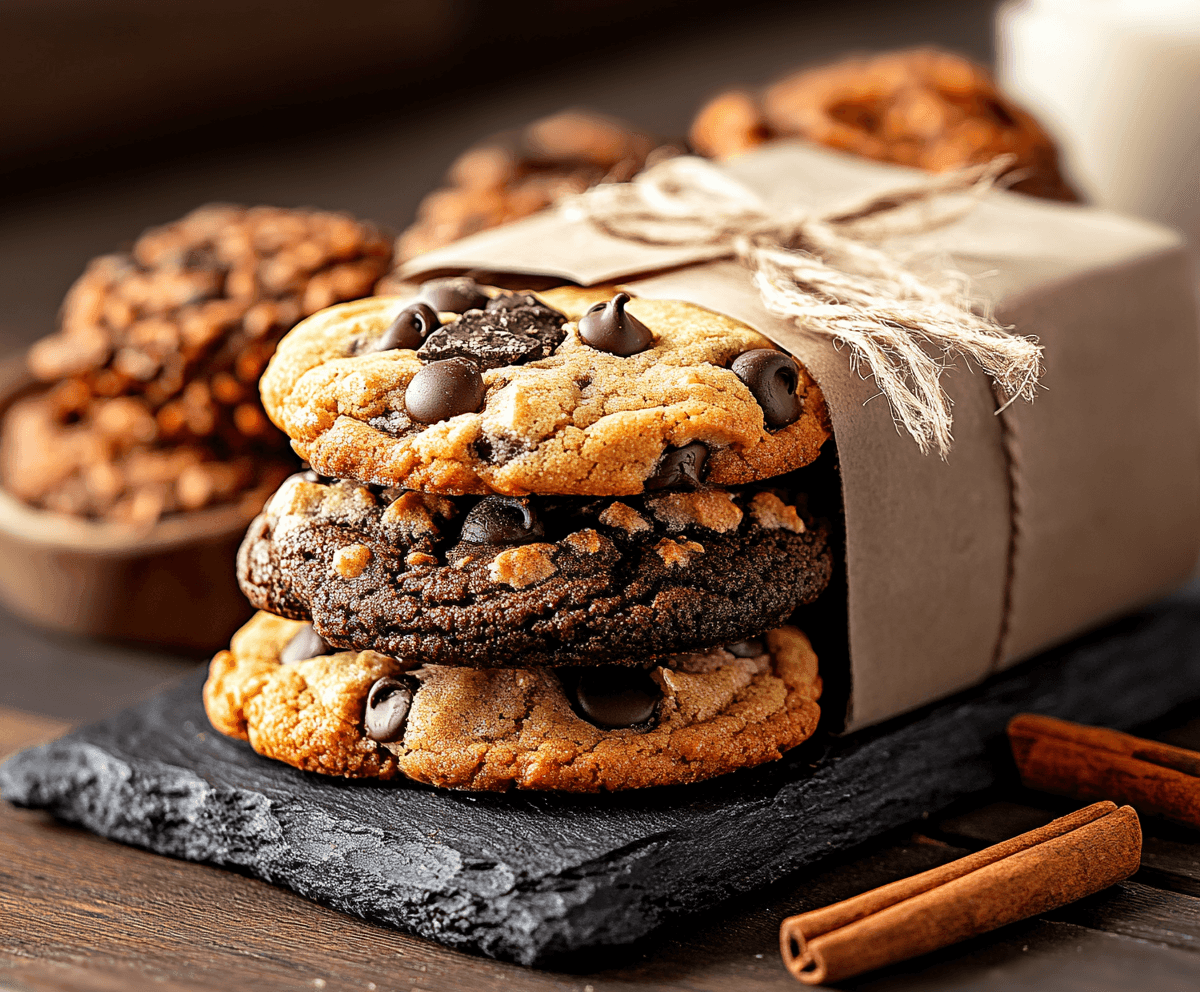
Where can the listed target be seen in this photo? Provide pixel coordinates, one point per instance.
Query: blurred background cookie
(516, 173)
(151, 404)
(921, 107)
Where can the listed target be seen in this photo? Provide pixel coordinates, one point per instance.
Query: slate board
(526, 876)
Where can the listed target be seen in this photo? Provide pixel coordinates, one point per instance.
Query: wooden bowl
(171, 584)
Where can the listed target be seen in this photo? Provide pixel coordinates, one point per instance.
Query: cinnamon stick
(1065, 860)
(1069, 759)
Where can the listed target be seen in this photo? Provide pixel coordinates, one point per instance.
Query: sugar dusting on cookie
(523, 566)
(584, 541)
(351, 561)
(413, 514)
(677, 554)
(711, 509)
(623, 517)
(772, 513)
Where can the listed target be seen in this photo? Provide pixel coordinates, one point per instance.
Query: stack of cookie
(547, 541)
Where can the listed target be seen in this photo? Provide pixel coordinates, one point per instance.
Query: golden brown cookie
(563, 417)
(702, 715)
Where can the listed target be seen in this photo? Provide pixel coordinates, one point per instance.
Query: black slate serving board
(527, 876)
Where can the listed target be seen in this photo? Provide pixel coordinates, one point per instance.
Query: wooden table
(81, 913)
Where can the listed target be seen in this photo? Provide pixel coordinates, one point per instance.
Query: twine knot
(826, 273)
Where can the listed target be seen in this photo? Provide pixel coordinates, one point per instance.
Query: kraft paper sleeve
(1045, 520)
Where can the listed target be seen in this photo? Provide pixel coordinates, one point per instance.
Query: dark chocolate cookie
(505, 581)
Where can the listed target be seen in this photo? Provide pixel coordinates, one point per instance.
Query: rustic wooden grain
(1042, 955)
(1141, 911)
(1170, 854)
(19, 730)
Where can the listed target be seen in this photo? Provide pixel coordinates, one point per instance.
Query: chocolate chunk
(388, 703)
(456, 295)
(493, 338)
(746, 649)
(412, 326)
(497, 450)
(306, 643)
(501, 520)
(444, 390)
(607, 327)
(772, 377)
(679, 467)
(616, 696)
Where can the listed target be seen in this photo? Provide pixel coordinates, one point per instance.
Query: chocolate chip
(306, 643)
(496, 337)
(501, 520)
(679, 467)
(746, 649)
(772, 377)
(411, 327)
(456, 295)
(616, 696)
(443, 390)
(388, 703)
(607, 327)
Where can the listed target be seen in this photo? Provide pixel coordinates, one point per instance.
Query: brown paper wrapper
(1065, 860)
(1045, 520)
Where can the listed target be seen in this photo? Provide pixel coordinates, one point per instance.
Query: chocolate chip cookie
(368, 715)
(528, 581)
(556, 392)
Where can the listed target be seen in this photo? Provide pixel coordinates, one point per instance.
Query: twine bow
(824, 273)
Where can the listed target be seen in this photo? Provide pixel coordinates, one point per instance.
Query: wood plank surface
(81, 913)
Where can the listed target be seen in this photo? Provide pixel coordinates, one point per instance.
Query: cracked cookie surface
(580, 421)
(512, 728)
(503, 581)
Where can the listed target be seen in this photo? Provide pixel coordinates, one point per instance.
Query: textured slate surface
(527, 876)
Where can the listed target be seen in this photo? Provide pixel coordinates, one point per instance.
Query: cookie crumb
(584, 541)
(624, 517)
(523, 566)
(350, 562)
(413, 514)
(677, 555)
(415, 559)
(710, 509)
(772, 513)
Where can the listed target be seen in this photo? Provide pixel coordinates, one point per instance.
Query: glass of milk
(1118, 84)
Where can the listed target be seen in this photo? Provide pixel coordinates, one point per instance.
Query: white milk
(1118, 84)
